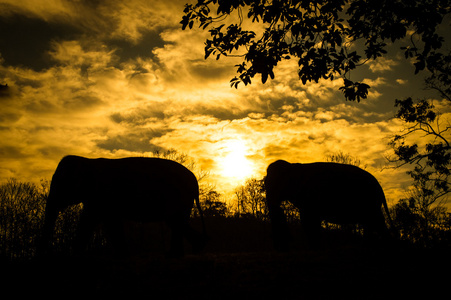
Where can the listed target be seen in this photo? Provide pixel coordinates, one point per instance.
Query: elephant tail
(201, 214)
(390, 220)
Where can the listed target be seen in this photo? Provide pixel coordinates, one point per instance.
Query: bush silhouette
(21, 213)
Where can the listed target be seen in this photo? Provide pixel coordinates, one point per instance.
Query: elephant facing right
(333, 192)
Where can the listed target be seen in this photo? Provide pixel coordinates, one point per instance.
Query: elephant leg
(195, 238)
(115, 235)
(180, 229)
(179, 223)
(88, 222)
(376, 228)
(280, 231)
(312, 230)
(177, 234)
(45, 241)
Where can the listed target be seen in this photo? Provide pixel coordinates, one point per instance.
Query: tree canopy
(431, 161)
(329, 39)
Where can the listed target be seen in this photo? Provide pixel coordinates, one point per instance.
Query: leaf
(271, 74)
(420, 64)
(234, 82)
(184, 22)
(208, 52)
(264, 77)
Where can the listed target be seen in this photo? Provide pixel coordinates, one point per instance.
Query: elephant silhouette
(333, 192)
(128, 189)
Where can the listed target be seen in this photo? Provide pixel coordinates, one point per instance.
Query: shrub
(21, 215)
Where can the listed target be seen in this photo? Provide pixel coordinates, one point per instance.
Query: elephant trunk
(45, 240)
(279, 225)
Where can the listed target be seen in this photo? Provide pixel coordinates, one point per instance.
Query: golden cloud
(128, 97)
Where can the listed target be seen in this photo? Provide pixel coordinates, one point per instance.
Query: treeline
(22, 210)
(419, 218)
(22, 206)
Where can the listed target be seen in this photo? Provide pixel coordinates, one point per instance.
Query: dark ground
(241, 267)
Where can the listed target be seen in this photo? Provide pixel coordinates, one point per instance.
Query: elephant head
(116, 190)
(333, 192)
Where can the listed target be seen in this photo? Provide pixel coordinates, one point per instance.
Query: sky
(121, 78)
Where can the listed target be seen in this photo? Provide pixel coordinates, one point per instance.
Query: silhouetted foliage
(22, 207)
(251, 202)
(430, 155)
(344, 158)
(251, 199)
(212, 205)
(21, 212)
(321, 35)
(424, 144)
(440, 78)
(66, 228)
(421, 221)
(291, 212)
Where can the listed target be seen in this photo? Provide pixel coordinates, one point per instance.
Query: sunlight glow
(235, 164)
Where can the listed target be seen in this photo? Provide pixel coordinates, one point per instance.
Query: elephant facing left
(128, 189)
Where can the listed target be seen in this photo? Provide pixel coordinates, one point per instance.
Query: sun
(234, 163)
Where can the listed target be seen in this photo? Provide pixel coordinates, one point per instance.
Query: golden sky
(120, 78)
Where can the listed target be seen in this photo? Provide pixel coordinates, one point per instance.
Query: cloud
(115, 78)
(130, 26)
(81, 53)
(382, 64)
(45, 10)
(136, 142)
(135, 17)
(20, 34)
(106, 18)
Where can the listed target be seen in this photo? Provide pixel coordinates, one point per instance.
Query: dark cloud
(273, 151)
(26, 38)
(5, 91)
(82, 102)
(40, 106)
(25, 41)
(209, 72)
(9, 117)
(220, 112)
(135, 142)
(54, 151)
(142, 116)
(162, 110)
(131, 50)
(12, 152)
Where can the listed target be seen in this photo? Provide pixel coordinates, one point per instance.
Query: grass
(335, 273)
